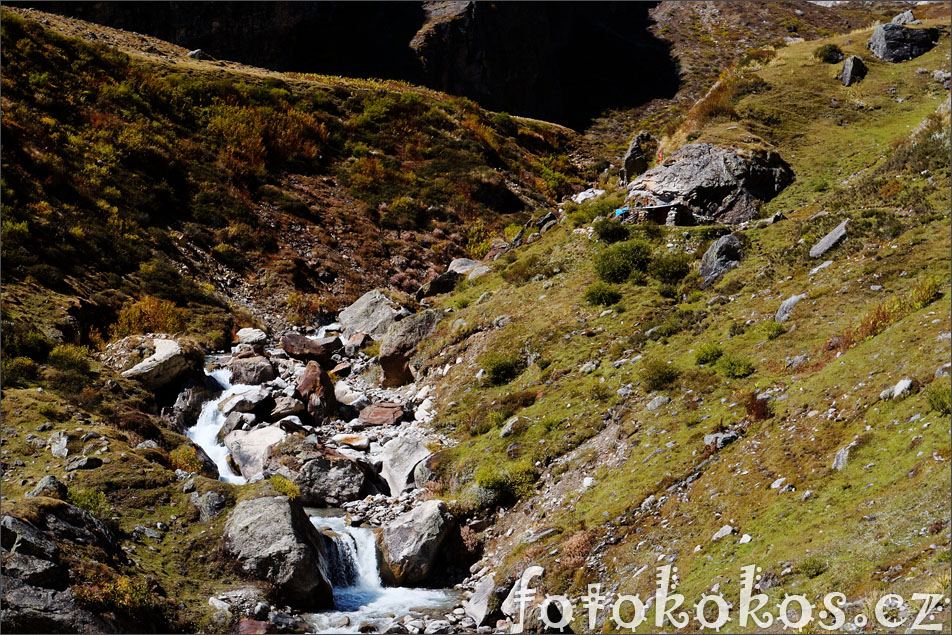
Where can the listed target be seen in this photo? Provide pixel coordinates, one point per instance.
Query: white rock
(744, 539)
(726, 530)
(252, 336)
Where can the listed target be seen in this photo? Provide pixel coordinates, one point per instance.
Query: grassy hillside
(131, 169)
(580, 375)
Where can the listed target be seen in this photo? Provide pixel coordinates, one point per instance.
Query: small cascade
(205, 431)
(359, 595)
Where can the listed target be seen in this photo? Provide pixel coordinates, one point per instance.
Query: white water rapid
(359, 595)
(205, 431)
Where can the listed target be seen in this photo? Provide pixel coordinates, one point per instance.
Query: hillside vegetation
(595, 396)
(125, 170)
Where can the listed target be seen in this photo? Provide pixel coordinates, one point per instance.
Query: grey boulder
(252, 370)
(722, 256)
(715, 183)
(400, 343)
(171, 361)
(399, 458)
(324, 476)
(829, 241)
(273, 540)
(786, 307)
(895, 43)
(853, 70)
(49, 486)
(372, 313)
(408, 548)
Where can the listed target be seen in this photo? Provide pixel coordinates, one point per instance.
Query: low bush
(70, 358)
(773, 329)
(502, 368)
(939, 396)
(610, 231)
(229, 255)
(93, 501)
(515, 480)
(285, 486)
(149, 315)
(828, 53)
(735, 366)
(185, 458)
(18, 371)
(670, 268)
(657, 374)
(812, 567)
(602, 294)
(707, 354)
(618, 262)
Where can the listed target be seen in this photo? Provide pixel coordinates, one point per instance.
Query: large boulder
(252, 337)
(636, 158)
(853, 70)
(273, 540)
(463, 265)
(250, 449)
(400, 343)
(372, 313)
(894, 43)
(714, 183)
(317, 391)
(255, 399)
(49, 486)
(409, 547)
(252, 370)
(484, 605)
(324, 476)
(400, 456)
(722, 256)
(170, 361)
(443, 283)
(307, 349)
(381, 414)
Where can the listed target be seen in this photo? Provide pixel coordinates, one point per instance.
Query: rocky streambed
(361, 546)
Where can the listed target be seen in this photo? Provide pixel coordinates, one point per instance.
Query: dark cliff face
(560, 61)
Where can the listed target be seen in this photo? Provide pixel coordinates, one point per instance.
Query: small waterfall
(205, 431)
(358, 592)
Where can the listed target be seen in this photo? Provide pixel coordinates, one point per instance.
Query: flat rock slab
(381, 414)
(829, 241)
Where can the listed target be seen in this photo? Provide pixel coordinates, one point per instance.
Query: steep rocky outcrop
(714, 183)
(272, 540)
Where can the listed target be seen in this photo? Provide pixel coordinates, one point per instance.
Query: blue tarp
(619, 212)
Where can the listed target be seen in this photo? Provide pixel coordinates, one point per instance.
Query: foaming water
(205, 431)
(359, 594)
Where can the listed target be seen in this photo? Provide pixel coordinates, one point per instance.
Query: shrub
(228, 255)
(93, 501)
(657, 374)
(735, 366)
(185, 458)
(812, 567)
(939, 396)
(757, 409)
(707, 354)
(515, 480)
(828, 53)
(18, 371)
(284, 486)
(668, 291)
(610, 231)
(618, 262)
(502, 368)
(602, 294)
(149, 315)
(670, 268)
(774, 329)
(70, 358)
